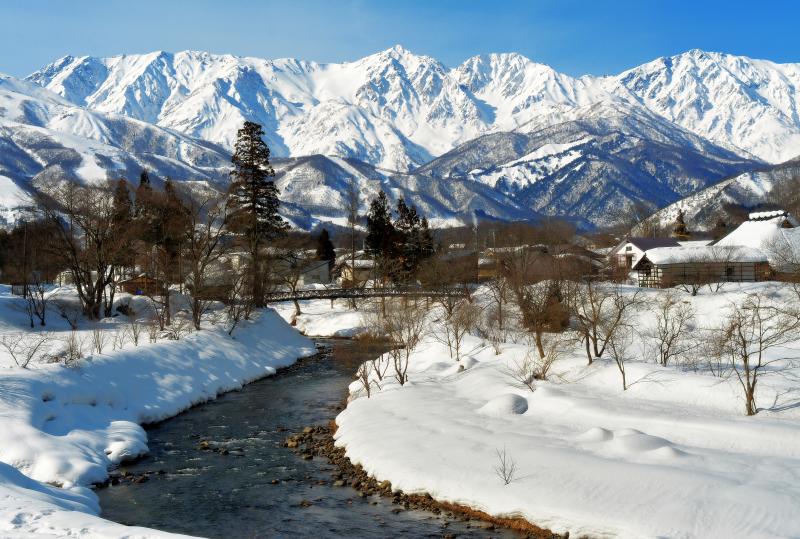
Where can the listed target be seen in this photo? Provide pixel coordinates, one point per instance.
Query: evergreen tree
(408, 226)
(144, 193)
(680, 230)
(122, 222)
(123, 205)
(381, 235)
(253, 200)
(426, 243)
(325, 250)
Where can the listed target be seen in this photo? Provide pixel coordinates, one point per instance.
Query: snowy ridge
(596, 162)
(43, 135)
(749, 189)
(396, 109)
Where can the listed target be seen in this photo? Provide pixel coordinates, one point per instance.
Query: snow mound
(596, 434)
(630, 443)
(507, 404)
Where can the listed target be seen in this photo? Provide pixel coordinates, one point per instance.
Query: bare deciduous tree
(670, 333)
(240, 301)
(24, 347)
(506, 467)
(86, 235)
(748, 338)
(99, 339)
(74, 348)
(203, 247)
(456, 325)
(36, 299)
(599, 310)
(404, 325)
(619, 345)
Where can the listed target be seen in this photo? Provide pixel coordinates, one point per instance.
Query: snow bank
(673, 456)
(66, 425)
(320, 318)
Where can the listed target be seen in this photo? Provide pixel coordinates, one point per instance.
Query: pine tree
(253, 200)
(325, 250)
(381, 233)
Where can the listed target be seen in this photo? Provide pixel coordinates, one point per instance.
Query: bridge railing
(346, 293)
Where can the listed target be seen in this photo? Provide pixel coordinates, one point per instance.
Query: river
(259, 488)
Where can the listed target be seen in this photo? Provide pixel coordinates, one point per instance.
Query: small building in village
(358, 271)
(663, 267)
(775, 233)
(625, 255)
(142, 285)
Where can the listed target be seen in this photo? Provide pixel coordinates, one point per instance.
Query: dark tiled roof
(651, 243)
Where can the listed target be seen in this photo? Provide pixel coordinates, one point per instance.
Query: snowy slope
(596, 161)
(42, 134)
(672, 456)
(748, 190)
(66, 426)
(396, 109)
(313, 191)
(748, 105)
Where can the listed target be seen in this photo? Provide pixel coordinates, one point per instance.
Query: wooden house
(142, 285)
(628, 252)
(663, 267)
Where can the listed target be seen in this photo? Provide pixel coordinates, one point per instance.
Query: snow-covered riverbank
(673, 456)
(66, 425)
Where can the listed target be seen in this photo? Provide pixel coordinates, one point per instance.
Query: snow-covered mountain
(398, 110)
(597, 163)
(748, 190)
(751, 106)
(499, 134)
(313, 192)
(44, 135)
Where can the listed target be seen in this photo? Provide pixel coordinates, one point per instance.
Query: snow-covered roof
(781, 245)
(644, 244)
(711, 253)
(765, 215)
(695, 243)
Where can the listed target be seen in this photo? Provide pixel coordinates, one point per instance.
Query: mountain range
(499, 134)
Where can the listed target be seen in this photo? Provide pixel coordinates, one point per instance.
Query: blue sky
(575, 37)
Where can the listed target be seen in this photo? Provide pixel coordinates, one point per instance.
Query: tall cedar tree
(409, 237)
(426, 241)
(381, 240)
(162, 219)
(253, 200)
(143, 194)
(325, 250)
(123, 221)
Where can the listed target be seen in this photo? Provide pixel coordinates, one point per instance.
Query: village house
(775, 233)
(142, 285)
(628, 252)
(358, 271)
(663, 267)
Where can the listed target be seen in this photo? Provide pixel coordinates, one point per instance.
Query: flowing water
(260, 488)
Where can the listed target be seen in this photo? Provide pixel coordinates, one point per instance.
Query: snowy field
(673, 456)
(64, 426)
